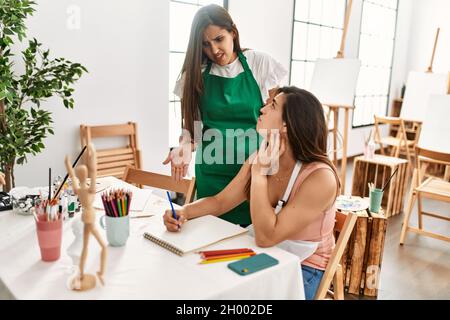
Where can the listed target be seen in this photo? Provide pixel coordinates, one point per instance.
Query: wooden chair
(160, 181)
(399, 142)
(112, 162)
(334, 273)
(432, 188)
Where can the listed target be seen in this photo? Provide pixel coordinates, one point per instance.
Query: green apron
(227, 103)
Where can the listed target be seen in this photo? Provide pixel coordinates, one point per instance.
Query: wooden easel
(334, 109)
(435, 167)
(447, 168)
(413, 127)
(412, 196)
(430, 68)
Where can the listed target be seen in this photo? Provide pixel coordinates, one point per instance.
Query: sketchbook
(195, 234)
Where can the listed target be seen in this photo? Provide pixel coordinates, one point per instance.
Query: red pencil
(212, 253)
(111, 201)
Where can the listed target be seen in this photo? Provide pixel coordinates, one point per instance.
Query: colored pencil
(120, 207)
(122, 200)
(111, 202)
(117, 202)
(130, 196)
(224, 252)
(230, 256)
(224, 259)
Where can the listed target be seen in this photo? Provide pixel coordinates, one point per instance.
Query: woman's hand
(179, 159)
(173, 224)
(267, 160)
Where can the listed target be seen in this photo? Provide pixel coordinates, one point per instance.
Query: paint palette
(349, 203)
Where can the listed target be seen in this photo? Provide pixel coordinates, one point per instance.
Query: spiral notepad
(194, 235)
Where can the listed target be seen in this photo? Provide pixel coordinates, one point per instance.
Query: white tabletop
(138, 270)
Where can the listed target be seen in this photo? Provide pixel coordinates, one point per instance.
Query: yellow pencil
(224, 259)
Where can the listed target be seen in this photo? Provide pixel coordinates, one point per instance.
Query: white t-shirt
(267, 72)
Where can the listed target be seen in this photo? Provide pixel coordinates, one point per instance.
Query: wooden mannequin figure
(86, 194)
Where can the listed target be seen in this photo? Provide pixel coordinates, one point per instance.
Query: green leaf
(8, 31)
(26, 128)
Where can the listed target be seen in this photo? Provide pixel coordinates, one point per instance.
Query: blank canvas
(435, 134)
(334, 81)
(419, 87)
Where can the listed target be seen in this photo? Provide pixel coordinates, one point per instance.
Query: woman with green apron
(223, 87)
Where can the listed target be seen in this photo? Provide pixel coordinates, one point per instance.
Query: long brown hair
(192, 67)
(307, 130)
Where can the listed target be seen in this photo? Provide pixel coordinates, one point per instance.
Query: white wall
(124, 45)
(427, 16)
(265, 25)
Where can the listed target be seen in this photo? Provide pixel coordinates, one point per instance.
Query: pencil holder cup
(375, 197)
(117, 229)
(49, 235)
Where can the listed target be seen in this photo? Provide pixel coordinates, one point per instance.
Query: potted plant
(23, 123)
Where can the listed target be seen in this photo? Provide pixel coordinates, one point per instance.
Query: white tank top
(302, 249)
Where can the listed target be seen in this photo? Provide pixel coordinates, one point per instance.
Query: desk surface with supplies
(139, 270)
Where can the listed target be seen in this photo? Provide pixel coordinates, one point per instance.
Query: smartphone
(253, 264)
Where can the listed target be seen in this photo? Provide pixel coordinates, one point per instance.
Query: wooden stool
(361, 260)
(378, 170)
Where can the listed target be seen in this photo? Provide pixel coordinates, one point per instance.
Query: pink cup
(49, 236)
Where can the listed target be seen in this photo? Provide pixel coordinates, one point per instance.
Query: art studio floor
(420, 269)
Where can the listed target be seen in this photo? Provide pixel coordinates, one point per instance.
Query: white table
(139, 270)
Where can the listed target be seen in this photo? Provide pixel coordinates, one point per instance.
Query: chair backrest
(160, 181)
(344, 225)
(428, 157)
(113, 162)
(401, 133)
(387, 120)
(431, 155)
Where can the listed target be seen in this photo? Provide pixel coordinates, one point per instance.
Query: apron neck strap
(243, 61)
(208, 67)
(290, 185)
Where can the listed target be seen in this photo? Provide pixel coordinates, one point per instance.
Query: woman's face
(218, 45)
(272, 114)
